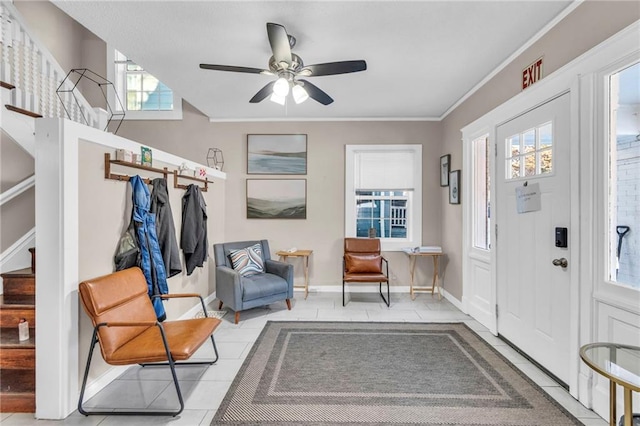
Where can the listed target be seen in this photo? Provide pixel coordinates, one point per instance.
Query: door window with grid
(530, 153)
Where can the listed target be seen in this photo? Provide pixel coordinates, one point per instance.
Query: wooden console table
(413, 256)
(304, 254)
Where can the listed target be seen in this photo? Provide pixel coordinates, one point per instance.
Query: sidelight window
(624, 177)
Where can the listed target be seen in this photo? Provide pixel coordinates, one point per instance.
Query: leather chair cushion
(184, 338)
(262, 285)
(363, 263)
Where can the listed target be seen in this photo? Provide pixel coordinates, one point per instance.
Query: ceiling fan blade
(333, 68)
(234, 69)
(279, 41)
(315, 93)
(263, 93)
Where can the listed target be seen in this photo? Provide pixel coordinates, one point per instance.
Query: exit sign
(532, 73)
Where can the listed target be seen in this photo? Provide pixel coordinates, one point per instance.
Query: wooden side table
(413, 256)
(304, 254)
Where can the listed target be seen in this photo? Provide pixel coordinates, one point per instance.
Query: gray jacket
(193, 240)
(165, 229)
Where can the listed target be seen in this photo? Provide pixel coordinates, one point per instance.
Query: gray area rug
(337, 373)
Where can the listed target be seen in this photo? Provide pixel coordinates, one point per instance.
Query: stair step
(9, 339)
(23, 111)
(18, 359)
(11, 314)
(17, 402)
(7, 85)
(18, 381)
(19, 283)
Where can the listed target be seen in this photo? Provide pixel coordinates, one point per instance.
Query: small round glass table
(621, 365)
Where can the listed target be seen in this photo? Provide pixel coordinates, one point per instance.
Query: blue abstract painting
(277, 154)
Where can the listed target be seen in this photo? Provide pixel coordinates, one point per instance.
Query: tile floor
(204, 388)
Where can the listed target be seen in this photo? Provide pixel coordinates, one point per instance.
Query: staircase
(18, 359)
(38, 85)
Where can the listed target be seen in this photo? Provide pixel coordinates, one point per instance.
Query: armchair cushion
(363, 263)
(247, 261)
(262, 285)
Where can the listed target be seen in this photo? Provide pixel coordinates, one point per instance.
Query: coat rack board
(164, 171)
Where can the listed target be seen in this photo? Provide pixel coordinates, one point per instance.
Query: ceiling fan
(288, 67)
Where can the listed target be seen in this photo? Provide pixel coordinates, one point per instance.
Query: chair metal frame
(170, 362)
(386, 300)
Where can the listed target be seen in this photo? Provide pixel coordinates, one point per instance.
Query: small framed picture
(454, 187)
(444, 170)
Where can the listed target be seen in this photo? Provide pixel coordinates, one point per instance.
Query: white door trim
(565, 79)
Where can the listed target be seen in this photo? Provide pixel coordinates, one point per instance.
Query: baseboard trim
(191, 313)
(101, 382)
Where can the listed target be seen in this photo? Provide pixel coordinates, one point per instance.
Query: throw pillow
(247, 261)
(363, 263)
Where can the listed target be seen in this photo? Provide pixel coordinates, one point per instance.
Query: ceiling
(422, 56)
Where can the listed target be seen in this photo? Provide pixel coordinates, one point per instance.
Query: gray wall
(589, 24)
(323, 230)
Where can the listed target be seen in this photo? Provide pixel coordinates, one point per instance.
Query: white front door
(533, 293)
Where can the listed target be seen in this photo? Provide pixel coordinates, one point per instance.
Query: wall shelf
(164, 172)
(177, 176)
(115, 176)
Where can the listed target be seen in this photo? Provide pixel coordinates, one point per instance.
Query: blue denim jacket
(152, 263)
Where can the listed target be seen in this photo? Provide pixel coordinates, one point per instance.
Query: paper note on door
(528, 198)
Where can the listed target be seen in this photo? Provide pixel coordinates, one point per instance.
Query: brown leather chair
(126, 327)
(362, 263)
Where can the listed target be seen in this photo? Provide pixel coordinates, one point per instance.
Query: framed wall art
(277, 154)
(454, 187)
(276, 198)
(444, 170)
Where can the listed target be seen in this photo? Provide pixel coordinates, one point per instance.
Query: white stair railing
(17, 189)
(26, 64)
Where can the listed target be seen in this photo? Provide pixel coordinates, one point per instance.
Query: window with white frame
(480, 196)
(624, 177)
(142, 95)
(383, 194)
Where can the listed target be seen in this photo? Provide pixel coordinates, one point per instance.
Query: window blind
(390, 170)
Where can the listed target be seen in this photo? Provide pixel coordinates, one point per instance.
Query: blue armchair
(240, 292)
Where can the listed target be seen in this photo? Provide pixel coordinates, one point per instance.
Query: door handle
(562, 262)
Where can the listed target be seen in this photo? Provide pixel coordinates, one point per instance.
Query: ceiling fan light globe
(277, 98)
(281, 88)
(299, 94)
